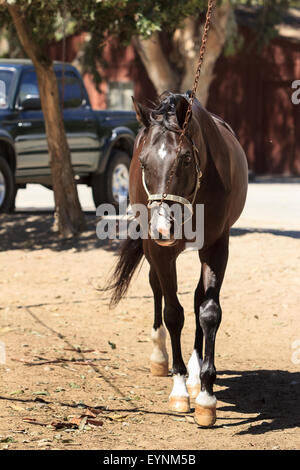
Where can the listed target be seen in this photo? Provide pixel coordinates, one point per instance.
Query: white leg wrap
(159, 353)
(206, 400)
(193, 367)
(179, 387)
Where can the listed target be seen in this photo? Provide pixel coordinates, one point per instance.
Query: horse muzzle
(161, 226)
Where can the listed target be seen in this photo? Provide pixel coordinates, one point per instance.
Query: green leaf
(74, 385)
(7, 439)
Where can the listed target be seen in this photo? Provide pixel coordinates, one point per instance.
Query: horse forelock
(165, 112)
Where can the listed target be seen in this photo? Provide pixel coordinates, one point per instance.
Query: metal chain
(211, 4)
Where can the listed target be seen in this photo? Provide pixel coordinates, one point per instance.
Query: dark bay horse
(210, 155)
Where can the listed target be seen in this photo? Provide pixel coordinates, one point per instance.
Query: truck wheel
(114, 184)
(7, 187)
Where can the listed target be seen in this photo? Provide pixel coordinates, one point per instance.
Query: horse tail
(131, 254)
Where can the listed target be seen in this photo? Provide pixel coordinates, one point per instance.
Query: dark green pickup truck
(100, 142)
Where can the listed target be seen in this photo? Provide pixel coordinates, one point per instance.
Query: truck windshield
(6, 77)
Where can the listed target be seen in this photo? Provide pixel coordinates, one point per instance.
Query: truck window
(70, 89)
(28, 86)
(119, 95)
(72, 92)
(6, 77)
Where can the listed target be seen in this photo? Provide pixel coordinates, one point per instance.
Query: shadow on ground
(274, 394)
(274, 179)
(33, 231)
(27, 231)
(234, 232)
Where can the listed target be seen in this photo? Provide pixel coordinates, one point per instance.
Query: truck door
(30, 141)
(80, 124)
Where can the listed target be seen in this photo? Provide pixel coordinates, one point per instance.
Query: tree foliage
(34, 30)
(103, 19)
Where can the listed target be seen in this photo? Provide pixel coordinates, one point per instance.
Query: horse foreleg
(174, 319)
(179, 399)
(214, 264)
(159, 357)
(163, 260)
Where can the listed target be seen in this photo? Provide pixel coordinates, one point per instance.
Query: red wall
(122, 64)
(251, 91)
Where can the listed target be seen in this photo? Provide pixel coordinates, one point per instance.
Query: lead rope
(211, 4)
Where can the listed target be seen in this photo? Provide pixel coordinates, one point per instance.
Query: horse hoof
(193, 390)
(205, 416)
(179, 404)
(159, 369)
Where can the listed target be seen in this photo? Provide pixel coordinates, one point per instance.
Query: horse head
(169, 178)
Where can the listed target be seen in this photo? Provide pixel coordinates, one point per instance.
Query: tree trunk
(156, 63)
(177, 72)
(69, 218)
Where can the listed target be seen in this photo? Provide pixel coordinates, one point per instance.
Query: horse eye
(187, 160)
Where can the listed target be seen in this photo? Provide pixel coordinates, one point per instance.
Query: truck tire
(7, 187)
(114, 183)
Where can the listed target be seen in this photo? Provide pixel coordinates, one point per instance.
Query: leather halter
(160, 197)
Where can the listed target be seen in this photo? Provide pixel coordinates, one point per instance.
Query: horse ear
(142, 113)
(217, 147)
(181, 110)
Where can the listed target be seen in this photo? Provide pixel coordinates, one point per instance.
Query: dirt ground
(77, 375)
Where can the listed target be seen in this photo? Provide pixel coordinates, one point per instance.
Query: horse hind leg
(179, 399)
(194, 365)
(193, 381)
(159, 361)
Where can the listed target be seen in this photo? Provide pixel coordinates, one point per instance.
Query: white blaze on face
(162, 152)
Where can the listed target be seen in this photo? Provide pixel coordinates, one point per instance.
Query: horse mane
(165, 114)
